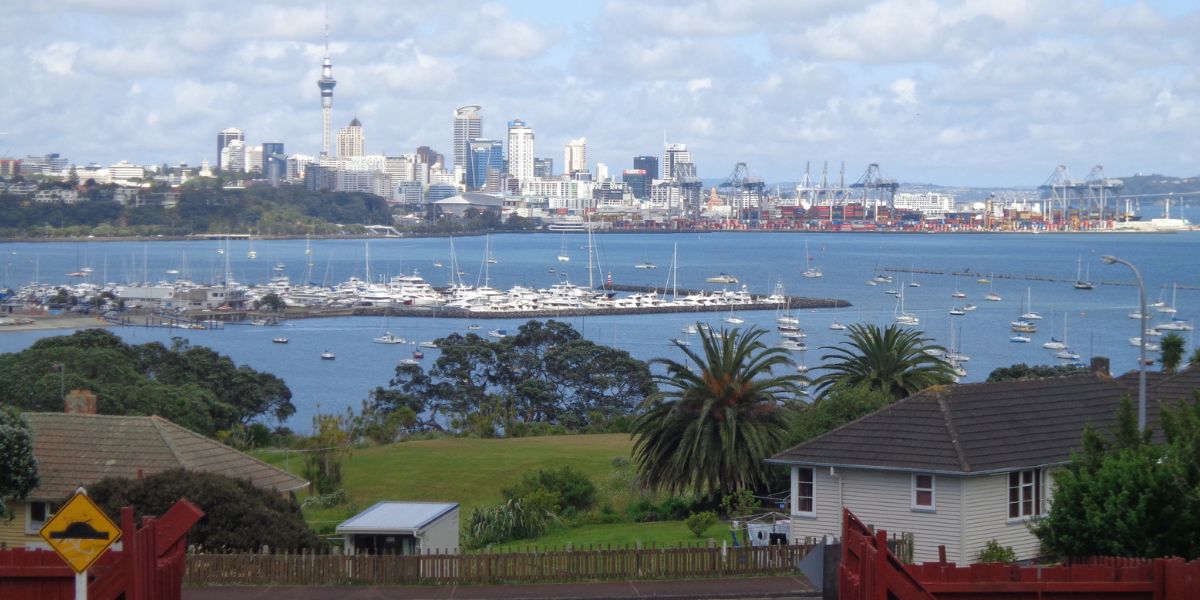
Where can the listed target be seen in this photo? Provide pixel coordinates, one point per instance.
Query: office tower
(520, 150)
(430, 156)
(468, 125)
(485, 164)
(575, 156)
(350, 140)
(233, 156)
(225, 136)
(673, 155)
(649, 164)
(601, 171)
(638, 181)
(274, 162)
(543, 168)
(254, 159)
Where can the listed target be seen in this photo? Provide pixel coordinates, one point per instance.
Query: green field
(660, 534)
(472, 472)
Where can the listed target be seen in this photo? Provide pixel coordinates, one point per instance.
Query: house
(958, 465)
(76, 449)
(403, 528)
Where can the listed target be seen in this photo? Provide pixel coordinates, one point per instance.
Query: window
(922, 492)
(37, 513)
(804, 491)
(1024, 494)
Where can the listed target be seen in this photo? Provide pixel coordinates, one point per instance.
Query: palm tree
(1172, 352)
(892, 360)
(708, 429)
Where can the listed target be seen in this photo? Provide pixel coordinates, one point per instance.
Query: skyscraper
(225, 136)
(274, 162)
(520, 150)
(543, 168)
(485, 164)
(350, 140)
(233, 156)
(673, 155)
(326, 83)
(468, 125)
(575, 156)
(649, 164)
(638, 181)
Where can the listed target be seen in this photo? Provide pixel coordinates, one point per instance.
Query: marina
(1021, 268)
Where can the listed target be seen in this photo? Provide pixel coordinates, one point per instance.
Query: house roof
(391, 516)
(1170, 390)
(81, 449)
(971, 428)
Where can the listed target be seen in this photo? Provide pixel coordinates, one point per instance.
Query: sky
(969, 92)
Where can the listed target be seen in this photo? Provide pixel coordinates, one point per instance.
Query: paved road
(751, 588)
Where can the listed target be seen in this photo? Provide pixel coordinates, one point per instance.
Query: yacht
(649, 265)
(722, 278)
(498, 333)
(327, 355)
(389, 338)
(837, 326)
(957, 311)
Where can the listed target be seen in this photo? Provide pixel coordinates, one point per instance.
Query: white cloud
(696, 85)
(904, 91)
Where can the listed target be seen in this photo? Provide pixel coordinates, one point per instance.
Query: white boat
(1019, 339)
(327, 355)
(837, 326)
(649, 265)
(172, 271)
(1150, 346)
(722, 278)
(389, 338)
(474, 326)
(992, 297)
(1023, 326)
(902, 316)
(1168, 309)
(498, 333)
(968, 307)
(1175, 325)
(912, 277)
(428, 344)
(734, 320)
(279, 340)
(409, 361)
(792, 345)
(957, 311)
(812, 271)
(958, 295)
(681, 341)
(1082, 283)
(1029, 314)
(562, 250)
(1054, 344)
(1066, 354)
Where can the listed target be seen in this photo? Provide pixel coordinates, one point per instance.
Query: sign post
(80, 533)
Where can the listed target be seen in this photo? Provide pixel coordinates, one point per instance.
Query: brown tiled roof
(971, 428)
(1170, 390)
(80, 449)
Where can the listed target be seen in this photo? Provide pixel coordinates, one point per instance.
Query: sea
(1028, 271)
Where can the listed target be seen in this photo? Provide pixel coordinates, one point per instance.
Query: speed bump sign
(80, 532)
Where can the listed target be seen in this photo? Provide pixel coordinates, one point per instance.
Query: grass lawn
(662, 533)
(468, 471)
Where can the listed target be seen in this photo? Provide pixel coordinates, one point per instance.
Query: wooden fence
(484, 568)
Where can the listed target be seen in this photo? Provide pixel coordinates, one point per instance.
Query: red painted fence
(870, 572)
(150, 565)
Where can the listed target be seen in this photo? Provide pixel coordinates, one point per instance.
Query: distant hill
(1144, 185)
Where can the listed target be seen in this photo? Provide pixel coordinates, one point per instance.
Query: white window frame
(796, 492)
(932, 489)
(32, 527)
(1037, 489)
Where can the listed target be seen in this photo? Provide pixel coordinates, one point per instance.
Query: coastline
(12, 323)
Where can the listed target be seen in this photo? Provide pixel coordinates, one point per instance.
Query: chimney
(1100, 366)
(81, 402)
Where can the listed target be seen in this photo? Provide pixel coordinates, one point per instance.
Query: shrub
(739, 503)
(643, 510)
(505, 523)
(993, 552)
(699, 522)
(576, 493)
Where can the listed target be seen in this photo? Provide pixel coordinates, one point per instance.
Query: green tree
(1022, 371)
(18, 467)
(711, 425)
(892, 360)
(840, 406)
(237, 515)
(326, 450)
(1172, 351)
(1123, 495)
(1194, 359)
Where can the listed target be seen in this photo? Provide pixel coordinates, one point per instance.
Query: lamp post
(1141, 336)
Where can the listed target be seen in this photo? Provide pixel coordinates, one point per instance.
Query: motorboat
(722, 278)
(1020, 339)
(428, 344)
(389, 338)
(327, 355)
(498, 333)
(837, 326)
(279, 340)
(650, 265)
(957, 311)
(1023, 326)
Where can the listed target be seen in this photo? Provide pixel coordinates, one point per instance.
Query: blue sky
(967, 92)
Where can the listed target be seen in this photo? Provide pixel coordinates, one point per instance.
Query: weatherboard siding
(884, 500)
(987, 518)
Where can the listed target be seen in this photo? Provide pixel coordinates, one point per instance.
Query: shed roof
(389, 516)
(75, 450)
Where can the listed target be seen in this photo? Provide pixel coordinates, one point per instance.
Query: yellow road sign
(80, 532)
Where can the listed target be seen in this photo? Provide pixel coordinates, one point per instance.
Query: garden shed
(396, 527)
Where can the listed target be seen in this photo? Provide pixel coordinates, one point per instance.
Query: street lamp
(62, 380)
(1141, 336)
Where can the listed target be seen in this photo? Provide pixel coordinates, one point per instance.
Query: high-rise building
(430, 156)
(638, 181)
(575, 156)
(543, 168)
(520, 150)
(486, 163)
(468, 125)
(350, 140)
(274, 162)
(649, 164)
(233, 156)
(326, 84)
(673, 155)
(254, 159)
(225, 136)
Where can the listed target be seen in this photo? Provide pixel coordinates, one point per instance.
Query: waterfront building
(649, 164)
(468, 125)
(520, 150)
(123, 171)
(543, 167)
(350, 140)
(672, 156)
(485, 165)
(224, 137)
(638, 182)
(575, 156)
(930, 204)
(233, 156)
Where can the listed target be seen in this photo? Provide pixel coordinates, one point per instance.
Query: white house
(959, 465)
(403, 528)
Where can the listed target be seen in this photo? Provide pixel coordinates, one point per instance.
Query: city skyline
(956, 93)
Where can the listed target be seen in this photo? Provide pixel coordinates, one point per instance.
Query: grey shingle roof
(971, 428)
(80, 449)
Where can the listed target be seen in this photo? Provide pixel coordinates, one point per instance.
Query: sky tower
(326, 83)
